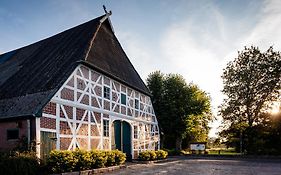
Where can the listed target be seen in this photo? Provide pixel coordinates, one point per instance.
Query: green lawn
(222, 151)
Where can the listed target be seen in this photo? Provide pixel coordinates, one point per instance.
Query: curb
(149, 161)
(94, 171)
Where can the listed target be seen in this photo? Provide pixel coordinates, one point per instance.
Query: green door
(126, 135)
(122, 137)
(48, 143)
(117, 134)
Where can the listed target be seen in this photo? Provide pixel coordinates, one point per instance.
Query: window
(106, 92)
(135, 132)
(137, 103)
(106, 128)
(152, 127)
(12, 134)
(123, 99)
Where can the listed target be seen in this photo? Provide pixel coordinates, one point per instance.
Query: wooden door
(122, 137)
(126, 140)
(48, 143)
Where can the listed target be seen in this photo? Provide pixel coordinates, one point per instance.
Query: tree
(251, 82)
(175, 102)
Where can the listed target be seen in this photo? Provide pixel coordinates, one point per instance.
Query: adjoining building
(76, 89)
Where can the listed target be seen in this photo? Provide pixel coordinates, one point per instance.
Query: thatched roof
(30, 76)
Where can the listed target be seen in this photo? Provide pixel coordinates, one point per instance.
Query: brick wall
(18, 124)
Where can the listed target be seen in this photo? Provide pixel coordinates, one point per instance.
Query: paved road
(206, 166)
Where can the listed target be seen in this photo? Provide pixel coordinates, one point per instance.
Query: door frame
(131, 133)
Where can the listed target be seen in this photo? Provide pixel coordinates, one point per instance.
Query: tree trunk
(178, 143)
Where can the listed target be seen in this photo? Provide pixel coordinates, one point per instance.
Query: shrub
(98, 158)
(19, 163)
(144, 155)
(110, 158)
(68, 161)
(161, 154)
(120, 157)
(153, 155)
(61, 161)
(83, 159)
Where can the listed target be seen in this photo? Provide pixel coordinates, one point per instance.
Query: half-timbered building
(76, 89)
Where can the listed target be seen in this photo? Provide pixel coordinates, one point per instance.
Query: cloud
(267, 31)
(196, 53)
(199, 45)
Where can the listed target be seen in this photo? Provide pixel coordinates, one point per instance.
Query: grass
(222, 151)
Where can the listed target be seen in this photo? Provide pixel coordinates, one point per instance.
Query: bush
(144, 155)
(19, 163)
(98, 158)
(161, 154)
(114, 157)
(83, 159)
(110, 158)
(120, 157)
(153, 155)
(61, 161)
(68, 161)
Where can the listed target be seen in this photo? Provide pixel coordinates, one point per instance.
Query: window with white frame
(106, 92)
(152, 127)
(137, 103)
(106, 128)
(135, 132)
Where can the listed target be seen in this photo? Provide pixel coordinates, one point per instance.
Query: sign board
(197, 146)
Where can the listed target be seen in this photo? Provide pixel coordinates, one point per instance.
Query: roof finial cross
(104, 8)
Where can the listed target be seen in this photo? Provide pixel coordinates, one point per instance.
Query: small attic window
(123, 99)
(106, 92)
(137, 103)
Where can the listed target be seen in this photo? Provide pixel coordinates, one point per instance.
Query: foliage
(153, 155)
(98, 158)
(161, 154)
(110, 158)
(68, 161)
(251, 83)
(265, 136)
(19, 163)
(61, 161)
(120, 157)
(145, 155)
(175, 103)
(83, 159)
(173, 152)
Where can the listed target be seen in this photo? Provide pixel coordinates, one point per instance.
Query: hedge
(15, 163)
(69, 161)
(153, 155)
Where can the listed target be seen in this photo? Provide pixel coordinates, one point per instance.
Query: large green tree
(252, 81)
(183, 110)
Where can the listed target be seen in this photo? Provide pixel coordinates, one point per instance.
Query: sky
(194, 38)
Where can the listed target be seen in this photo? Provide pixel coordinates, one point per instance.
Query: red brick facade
(21, 125)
